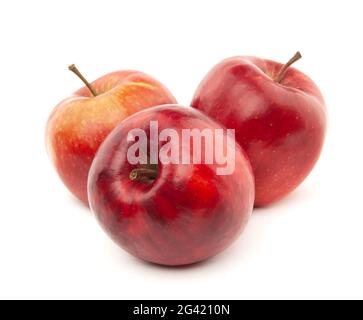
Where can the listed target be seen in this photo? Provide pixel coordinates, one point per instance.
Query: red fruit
(169, 214)
(279, 116)
(79, 124)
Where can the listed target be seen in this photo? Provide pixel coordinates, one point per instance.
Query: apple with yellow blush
(80, 123)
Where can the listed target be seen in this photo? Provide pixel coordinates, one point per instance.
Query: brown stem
(74, 69)
(140, 174)
(284, 68)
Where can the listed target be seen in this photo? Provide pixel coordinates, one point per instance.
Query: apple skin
(187, 214)
(80, 123)
(281, 126)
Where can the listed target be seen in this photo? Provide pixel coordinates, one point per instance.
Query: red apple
(279, 115)
(170, 214)
(80, 123)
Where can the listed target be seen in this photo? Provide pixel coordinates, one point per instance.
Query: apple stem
(74, 69)
(140, 174)
(284, 68)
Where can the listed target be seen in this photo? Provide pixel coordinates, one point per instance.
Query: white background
(306, 246)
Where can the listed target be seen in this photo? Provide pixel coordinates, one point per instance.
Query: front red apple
(79, 124)
(173, 212)
(279, 116)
